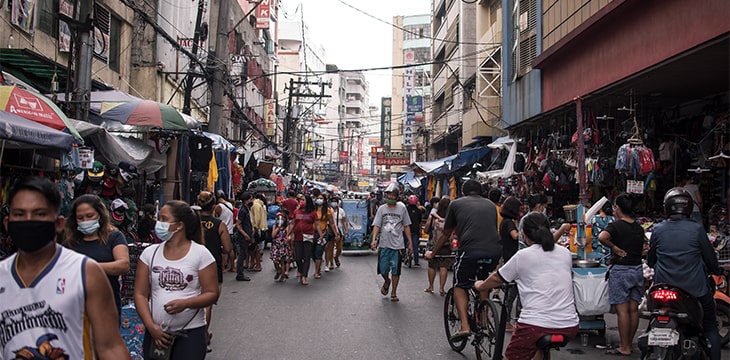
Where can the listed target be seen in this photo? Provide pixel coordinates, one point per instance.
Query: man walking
(392, 218)
(475, 221)
(55, 302)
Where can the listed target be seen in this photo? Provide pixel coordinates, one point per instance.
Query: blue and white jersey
(45, 319)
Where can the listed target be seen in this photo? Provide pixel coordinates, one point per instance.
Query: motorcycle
(674, 330)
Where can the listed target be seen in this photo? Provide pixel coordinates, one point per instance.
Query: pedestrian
(475, 221)
(245, 234)
(391, 221)
(333, 250)
(511, 211)
(290, 203)
(496, 196)
(224, 211)
(625, 237)
(174, 281)
(415, 212)
(599, 223)
(217, 241)
(326, 225)
(543, 274)
(44, 281)
(681, 255)
(694, 191)
(302, 231)
(281, 253)
(260, 227)
(89, 232)
(435, 226)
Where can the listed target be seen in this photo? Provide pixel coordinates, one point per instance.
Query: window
(114, 39)
(101, 32)
(524, 49)
(47, 10)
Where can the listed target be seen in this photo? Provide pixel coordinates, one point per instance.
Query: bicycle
(482, 322)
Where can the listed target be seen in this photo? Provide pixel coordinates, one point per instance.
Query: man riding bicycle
(475, 221)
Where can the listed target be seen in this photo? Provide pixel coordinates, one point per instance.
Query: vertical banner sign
(263, 14)
(65, 7)
(409, 128)
(359, 153)
(270, 119)
(22, 14)
(385, 118)
(344, 157)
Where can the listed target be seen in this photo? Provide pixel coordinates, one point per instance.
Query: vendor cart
(590, 289)
(357, 241)
(263, 186)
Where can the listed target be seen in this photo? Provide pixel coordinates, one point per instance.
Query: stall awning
(463, 160)
(410, 179)
(37, 70)
(427, 167)
(17, 129)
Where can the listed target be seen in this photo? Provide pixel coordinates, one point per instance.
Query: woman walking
(435, 224)
(280, 253)
(625, 237)
(326, 226)
(88, 231)
(301, 232)
(174, 282)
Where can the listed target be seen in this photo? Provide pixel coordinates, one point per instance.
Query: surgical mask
(391, 201)
(88, 227)
(333, 204)
(318, 202)
(30, 236)
(162, 229)
(280, 222)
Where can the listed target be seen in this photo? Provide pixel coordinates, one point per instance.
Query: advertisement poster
(22, 14)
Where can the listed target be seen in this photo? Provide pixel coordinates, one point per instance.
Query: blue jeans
(414, 241)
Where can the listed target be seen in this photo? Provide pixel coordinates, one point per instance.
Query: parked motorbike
(675, 328)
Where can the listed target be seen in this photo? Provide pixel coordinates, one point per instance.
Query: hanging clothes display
(212, 172)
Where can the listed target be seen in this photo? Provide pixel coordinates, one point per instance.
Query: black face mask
(30, 236)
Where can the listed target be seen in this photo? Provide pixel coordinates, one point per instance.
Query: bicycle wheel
(452, 324)
(486, 336)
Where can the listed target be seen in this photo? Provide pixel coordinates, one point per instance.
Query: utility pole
(191, 66)
(84, 53)
(289, 122)
(219, 60)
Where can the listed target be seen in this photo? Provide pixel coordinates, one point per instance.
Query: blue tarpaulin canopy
(463, 159)
(428, 167)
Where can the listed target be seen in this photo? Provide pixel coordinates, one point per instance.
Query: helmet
(678, 201)
(413, 200)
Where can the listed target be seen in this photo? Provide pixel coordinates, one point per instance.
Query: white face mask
(162, 229)
(88, 227)
(319, 202)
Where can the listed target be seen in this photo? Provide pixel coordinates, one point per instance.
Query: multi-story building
(412, 48)
(355, 113)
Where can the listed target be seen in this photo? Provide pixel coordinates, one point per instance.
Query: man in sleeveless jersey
(55, 301)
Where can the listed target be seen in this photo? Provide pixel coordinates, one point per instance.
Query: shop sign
(392, 158)
(634, 187)
(263, 14)
(344, 157)
(270, 119)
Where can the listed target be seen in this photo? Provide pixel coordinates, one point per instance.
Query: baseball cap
(118, 209)
(97, 169)
(127, 170)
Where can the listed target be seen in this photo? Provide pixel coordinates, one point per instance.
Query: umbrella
(143, 113)
(35, 107)
(16, 128)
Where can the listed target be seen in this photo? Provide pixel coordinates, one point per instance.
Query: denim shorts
(625, 282)
(389, 261)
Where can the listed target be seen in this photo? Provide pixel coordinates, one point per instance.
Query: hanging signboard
(392, 158)
(263, 14)
(634, 187)
(270, 119)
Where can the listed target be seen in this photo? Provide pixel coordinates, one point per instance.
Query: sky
(353, 40)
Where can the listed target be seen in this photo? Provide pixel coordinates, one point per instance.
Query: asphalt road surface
(344, 316)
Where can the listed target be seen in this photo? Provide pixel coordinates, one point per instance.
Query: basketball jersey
(46, 318)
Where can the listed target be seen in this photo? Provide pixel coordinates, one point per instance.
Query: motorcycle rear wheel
(722, 312)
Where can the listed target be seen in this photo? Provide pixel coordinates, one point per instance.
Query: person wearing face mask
(335, 249)
(45, 279)
(326, 224)
(89, 232)
(392, 218)
(245, 230)
(538, 203)
(175, 280)
(280, 254)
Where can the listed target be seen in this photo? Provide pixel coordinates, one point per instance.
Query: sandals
(394, 298)
(428, 290)
(442, 293)
(317, 276)
(337, 262)
(616, 352)
(386, 287)
(303, 281)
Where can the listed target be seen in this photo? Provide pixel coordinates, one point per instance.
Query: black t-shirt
(102, 254)
(201, 151)
(211, 225)
(415, 214)
(244, 215)
(629, 237)
(509, 244)
(475, 220)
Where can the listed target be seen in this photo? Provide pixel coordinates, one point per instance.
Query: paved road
(343, 316)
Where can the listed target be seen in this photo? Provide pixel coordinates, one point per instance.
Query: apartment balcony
(354, 103)
(439, 81)
(355, 88)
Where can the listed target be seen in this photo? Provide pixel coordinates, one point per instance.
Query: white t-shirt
(178, 279)
(391, 221)
(227, 215)
(340, 217)
(544, 280)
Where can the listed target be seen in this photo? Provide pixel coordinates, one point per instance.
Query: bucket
(571, 213)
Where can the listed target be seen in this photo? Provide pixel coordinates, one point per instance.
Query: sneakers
(326, 268)
(277, 276)
(242, 278)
